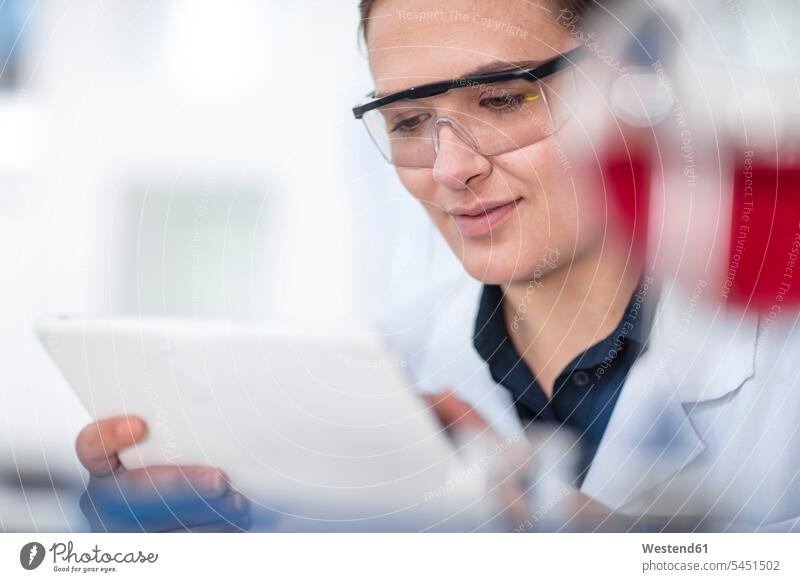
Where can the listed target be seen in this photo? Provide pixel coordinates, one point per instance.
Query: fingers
(119, 514)
(162, 483)
(161, 498)
(164, 516)
(513, 499)
(236, 525)
(453, 412)
(98, 444)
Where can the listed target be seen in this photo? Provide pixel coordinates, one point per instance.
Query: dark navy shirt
(585, 392)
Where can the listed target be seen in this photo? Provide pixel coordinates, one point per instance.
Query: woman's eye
(503, 102)
(410, 123)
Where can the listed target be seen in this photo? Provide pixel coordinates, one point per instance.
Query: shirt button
(580, 378)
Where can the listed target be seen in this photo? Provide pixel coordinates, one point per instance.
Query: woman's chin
(505, 264)
(493, 270)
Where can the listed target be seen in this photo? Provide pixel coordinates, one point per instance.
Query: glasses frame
(538, 73)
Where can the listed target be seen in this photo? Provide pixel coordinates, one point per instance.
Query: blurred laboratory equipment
(620, 108)
(524, 482)
(692, 125)
(737, 79)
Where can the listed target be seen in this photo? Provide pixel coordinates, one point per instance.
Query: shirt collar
(492, 342)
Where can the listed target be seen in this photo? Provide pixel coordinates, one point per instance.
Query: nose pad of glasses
(457, 128)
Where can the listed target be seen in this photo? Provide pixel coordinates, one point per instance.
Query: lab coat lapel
(693, 355)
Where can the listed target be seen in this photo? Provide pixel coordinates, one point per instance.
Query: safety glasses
(491, 114)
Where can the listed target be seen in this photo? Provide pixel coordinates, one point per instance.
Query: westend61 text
(673, 549)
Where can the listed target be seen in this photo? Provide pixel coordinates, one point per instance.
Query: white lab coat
(708, 420)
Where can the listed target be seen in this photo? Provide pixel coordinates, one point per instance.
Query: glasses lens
(403, 133)
(499, 118)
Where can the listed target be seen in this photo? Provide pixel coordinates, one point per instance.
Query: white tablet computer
(320, 414)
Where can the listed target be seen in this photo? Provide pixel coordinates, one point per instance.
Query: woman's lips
(481, 224)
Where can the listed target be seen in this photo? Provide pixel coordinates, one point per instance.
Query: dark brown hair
(574, 6)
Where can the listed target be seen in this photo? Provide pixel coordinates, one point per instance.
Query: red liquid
(627, 173)
(764, 256)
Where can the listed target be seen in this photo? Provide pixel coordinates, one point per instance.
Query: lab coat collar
(696, 354)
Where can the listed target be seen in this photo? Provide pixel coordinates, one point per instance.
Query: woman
(489, 163)
(558, 287)
(564, 321)
(684, 413)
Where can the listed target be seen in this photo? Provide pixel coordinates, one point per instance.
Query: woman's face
(541, 220)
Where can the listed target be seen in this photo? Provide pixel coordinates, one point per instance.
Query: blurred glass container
(620, 108)
(690, 121)
(727, 208)
(551, 474)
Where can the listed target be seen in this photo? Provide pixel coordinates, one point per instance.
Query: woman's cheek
(419, 182)
(571, 193)
(421, 185)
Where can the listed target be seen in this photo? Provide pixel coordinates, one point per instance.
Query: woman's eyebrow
(500, 66)
(484, 69)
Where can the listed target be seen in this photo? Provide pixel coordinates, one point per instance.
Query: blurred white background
(189, 158)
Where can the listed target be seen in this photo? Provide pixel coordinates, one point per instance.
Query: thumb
(454, 412)
(98, 444)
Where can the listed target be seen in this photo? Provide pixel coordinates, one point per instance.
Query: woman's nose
(457, 161)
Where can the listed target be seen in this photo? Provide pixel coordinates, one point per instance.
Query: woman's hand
(505, 462)
(454, 414)
(500, 460)
(158, 498)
